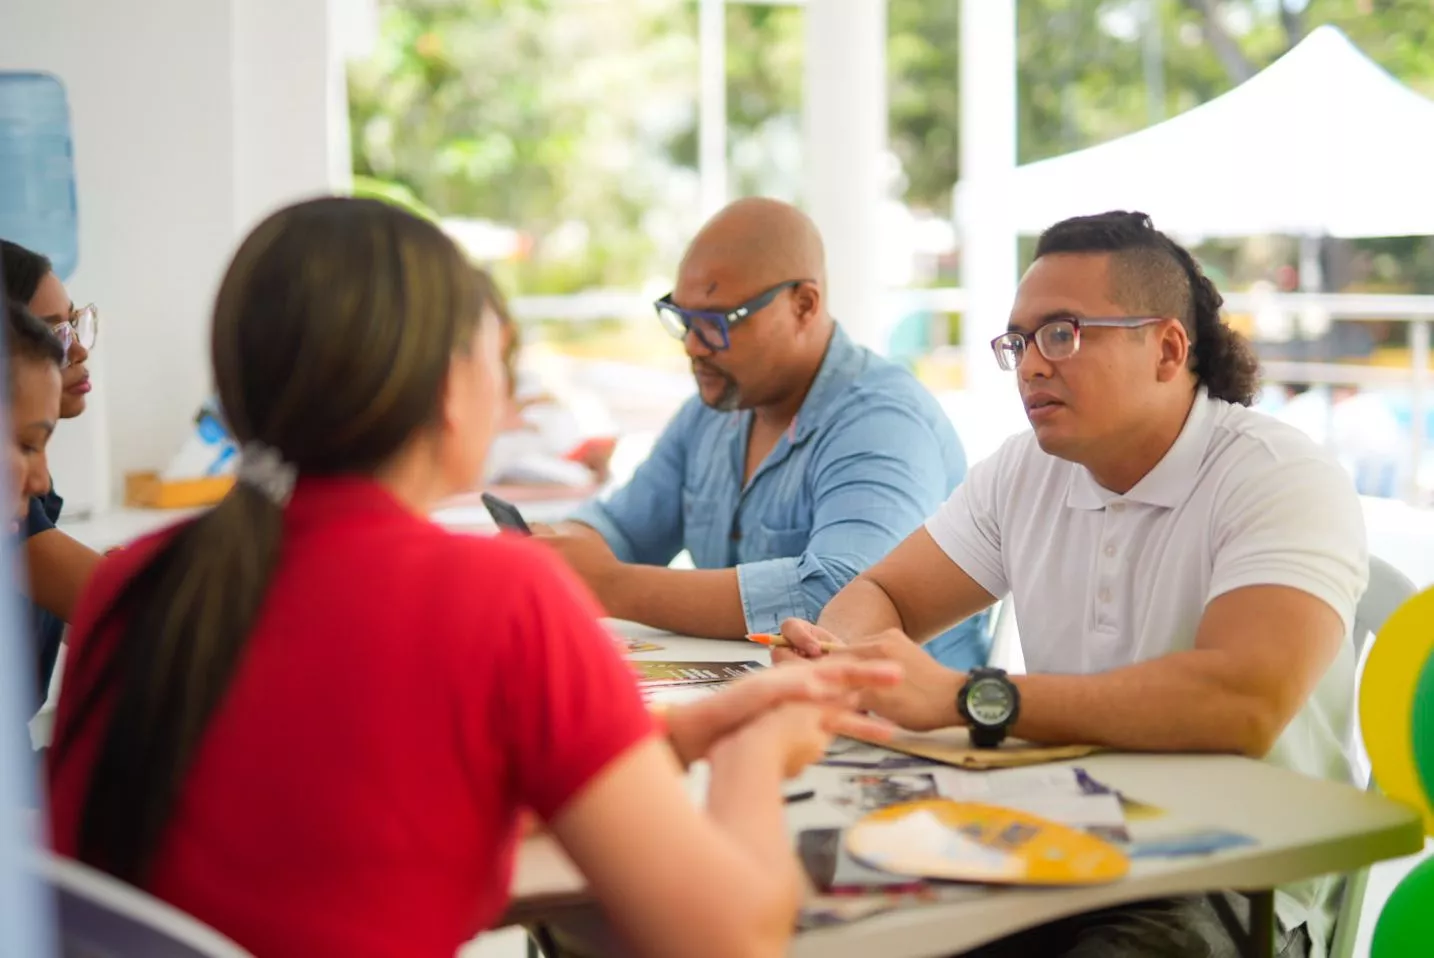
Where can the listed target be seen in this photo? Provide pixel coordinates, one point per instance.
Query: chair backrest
(102, 917)
(1388, 590)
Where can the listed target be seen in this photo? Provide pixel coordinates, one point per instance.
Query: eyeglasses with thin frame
(82, 327)
(713, 327)
(1058, 338)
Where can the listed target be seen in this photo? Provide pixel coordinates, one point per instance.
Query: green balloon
(1421, 714)
(1406, 925)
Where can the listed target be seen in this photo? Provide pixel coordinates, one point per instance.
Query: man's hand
(587, 553)
(808, 641)
(926, 697)
(924, 700)
(835, 683)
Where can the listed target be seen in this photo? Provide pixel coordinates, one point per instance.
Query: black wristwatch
(990, 704)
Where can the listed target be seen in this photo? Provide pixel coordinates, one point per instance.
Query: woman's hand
(833, 684)
(799, 733)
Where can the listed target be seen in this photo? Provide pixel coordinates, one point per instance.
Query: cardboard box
(145, 490)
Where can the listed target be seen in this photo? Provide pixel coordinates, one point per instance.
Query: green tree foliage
(575, 120)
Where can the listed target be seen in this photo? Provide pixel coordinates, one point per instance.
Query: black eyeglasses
(712, 328)
(1058, 338)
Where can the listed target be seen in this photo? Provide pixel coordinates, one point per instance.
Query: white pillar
(712, 101)
(988, 156)
(844, 114)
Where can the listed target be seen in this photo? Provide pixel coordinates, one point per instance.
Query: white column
(712, 102)
(844, 114)
(988, 156)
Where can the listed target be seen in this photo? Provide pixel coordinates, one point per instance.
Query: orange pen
(774, 641)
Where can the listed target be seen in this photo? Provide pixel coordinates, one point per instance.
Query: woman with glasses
(58, 565)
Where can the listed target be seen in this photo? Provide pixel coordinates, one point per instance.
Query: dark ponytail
(1223, 360)
(1159, 277)
(333, 332)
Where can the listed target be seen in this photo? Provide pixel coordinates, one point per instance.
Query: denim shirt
(868, 457)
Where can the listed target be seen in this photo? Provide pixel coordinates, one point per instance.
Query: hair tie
(262, 467)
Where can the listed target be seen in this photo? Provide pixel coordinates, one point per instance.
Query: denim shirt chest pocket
(768, 541)
(778, 521)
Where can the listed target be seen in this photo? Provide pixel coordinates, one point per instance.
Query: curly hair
(1150, 273)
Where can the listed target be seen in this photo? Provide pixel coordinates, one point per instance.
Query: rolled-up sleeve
(875, 477)
(642, 521)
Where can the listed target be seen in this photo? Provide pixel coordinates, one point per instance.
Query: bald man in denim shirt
(803, 459)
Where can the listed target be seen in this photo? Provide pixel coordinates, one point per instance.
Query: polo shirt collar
(1174, 476)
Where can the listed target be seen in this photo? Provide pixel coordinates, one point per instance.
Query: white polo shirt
(1101, 580)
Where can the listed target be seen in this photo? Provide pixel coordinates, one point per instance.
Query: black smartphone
(505, 514)
(831, 869)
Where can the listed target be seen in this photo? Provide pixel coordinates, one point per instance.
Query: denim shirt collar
(843, 363)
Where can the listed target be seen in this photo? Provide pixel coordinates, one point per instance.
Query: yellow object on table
(965, 841)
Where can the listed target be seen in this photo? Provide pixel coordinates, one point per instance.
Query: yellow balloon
(1386, 701)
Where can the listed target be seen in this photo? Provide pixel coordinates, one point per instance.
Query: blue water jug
(37, 169)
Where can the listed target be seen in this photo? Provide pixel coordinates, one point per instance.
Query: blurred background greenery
(560, 135)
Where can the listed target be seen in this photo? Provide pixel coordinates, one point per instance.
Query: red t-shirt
(406, 691)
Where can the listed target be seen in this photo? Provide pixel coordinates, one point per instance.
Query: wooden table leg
(1262, 925)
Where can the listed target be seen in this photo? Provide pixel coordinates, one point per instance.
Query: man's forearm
(861, 609)
(1177, 703)
(706, 603)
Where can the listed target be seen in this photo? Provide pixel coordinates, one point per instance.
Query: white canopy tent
(1323, 141)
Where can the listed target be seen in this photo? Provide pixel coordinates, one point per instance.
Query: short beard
(731, 397)
(730, 400)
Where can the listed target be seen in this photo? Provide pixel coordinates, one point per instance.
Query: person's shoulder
(486, 567)
(122, 561)
(1256, 440)
(883, 387)
(1255, 457)
(118, 566)
(1019, 462)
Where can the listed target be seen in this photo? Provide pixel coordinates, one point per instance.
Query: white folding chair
(1388, 590)
(102, 916)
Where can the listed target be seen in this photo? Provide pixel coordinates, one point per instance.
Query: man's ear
(807, 303)
(1175, 349)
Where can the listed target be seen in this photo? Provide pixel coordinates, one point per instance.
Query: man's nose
(1033, 364)
(695, 345)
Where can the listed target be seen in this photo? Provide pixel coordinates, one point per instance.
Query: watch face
(989, 702)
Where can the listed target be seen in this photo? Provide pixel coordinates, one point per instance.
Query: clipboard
(952, 746)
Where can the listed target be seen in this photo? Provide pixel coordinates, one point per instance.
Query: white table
(119, 527)
(1304, 828)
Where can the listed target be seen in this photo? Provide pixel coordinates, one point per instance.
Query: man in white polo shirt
(1184, 570)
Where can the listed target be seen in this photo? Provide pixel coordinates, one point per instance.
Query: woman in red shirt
(311, 718)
